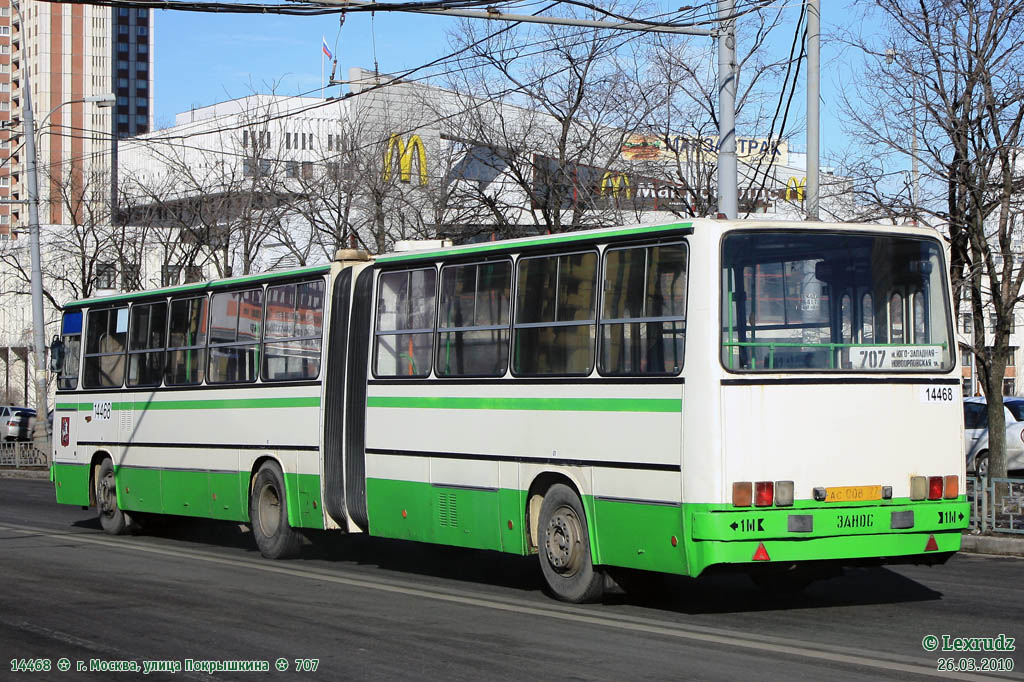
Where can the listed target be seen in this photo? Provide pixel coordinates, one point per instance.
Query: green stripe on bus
(200, 287)
(222, 404)
(534, 404)
(515, 244)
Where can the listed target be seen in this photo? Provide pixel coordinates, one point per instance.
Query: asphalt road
(370, 609)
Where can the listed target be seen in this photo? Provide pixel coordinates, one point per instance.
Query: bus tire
(113, 519)
(564, 550)
(268, 512)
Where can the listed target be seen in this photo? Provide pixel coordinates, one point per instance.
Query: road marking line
(855, 657)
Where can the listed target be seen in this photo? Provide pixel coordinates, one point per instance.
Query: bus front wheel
(112, 518)
(564, 547)
(268, 512)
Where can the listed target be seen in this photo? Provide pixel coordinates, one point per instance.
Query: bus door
(71, 467)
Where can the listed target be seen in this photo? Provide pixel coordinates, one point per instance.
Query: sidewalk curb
(38, 474)
(993, 544)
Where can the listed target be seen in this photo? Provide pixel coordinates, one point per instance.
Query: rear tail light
(742, 494)
(952, 488)
(784, 493)
(935, 485)
(918, 487)
(764, 493)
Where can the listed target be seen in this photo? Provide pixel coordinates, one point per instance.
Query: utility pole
(728, 179)
(38, 321)
(813, 97)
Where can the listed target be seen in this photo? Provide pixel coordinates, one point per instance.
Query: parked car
(976, 434)
(16, 422)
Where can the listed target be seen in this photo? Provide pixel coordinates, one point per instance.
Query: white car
(976, 434)
(16, 422)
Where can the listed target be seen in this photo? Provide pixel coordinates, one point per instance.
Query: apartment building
(69, 53)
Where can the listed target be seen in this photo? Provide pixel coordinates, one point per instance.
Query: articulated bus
(781, 398)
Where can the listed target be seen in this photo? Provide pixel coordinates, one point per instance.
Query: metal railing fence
(22, 454)
(997, 504)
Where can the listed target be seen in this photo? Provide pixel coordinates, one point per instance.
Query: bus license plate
(853, 493)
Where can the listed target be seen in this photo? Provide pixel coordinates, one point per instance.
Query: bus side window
(186, 342)
(643, 317)
(405, 323)
(71, 336)
(473, 327)
(146, 339)
(292, 336)
(105, 340)
(235, 321)
(555, 327)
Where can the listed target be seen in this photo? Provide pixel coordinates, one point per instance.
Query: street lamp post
(38, 321)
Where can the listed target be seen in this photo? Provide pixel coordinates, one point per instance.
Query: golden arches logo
(405, 157)
(795, 187)
(618, 182)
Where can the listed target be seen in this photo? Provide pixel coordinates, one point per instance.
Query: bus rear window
(834, 302)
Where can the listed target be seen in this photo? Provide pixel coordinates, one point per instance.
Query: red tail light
(764, 493)
(935, 486)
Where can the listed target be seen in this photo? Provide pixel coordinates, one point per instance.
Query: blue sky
(206, 58)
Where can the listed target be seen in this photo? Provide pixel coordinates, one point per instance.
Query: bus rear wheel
(112, 518)
(268, 512)
(564, 548)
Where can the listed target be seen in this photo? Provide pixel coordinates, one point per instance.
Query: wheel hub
(563, 537)
(106, 499)
(269, 510)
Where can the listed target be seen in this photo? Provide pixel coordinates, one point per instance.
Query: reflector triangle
(761, 554)
(932, 546)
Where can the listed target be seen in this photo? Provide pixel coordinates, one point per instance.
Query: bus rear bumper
(927, 533)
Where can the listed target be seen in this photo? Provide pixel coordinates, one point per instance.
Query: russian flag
(327, 51)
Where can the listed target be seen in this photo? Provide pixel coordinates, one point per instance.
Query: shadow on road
(709, 594)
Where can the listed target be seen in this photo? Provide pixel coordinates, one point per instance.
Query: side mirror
(56, 355)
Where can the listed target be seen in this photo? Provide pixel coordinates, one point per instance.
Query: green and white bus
(777, 397)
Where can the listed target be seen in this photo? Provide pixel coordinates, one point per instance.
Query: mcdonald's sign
(617, 182)
(795, 188)
(405, 158)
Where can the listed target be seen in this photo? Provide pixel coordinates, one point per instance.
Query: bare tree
(76, 254)
(942, 82)
(682, 97)
(539, 122)
(208, 205)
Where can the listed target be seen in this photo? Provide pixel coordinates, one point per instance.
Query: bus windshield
(818, 301)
